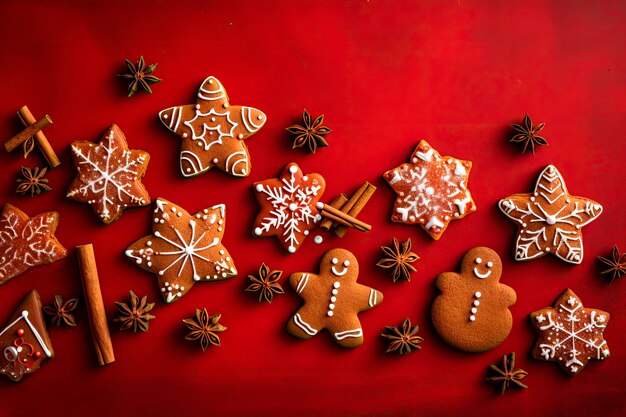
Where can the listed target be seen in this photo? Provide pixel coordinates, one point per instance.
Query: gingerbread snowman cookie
(472, 312)
(332, 300)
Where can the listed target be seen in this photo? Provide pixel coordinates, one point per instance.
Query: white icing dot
(185, 137)
(331, 306)
(306, 233)
(240, 136)
(489, 264)
(430, 190)
(165, 116)
(293, 206)
(259, 117)
(305, 178)
(333, 299)
(149, 243)
(334, 261)
(330, 314)
(197, 107)
(476, 303)
(478, 261)
(336, 284)
(472, 318)
(215, 160)
(318, 239)
(346, 263)
(477, 294)
(293, 169)
(212, 119)
(226, 105)
(228, 259)
(474, 310)
(188, 170)
(258, 231)
(259, 187)
(221, 252)
(414, 160)
(335, 292)
(291, 249)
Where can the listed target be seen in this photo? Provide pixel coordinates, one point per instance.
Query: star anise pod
(311, 134)
(204, 328)
(508, 374)
(615, 265)
(135, 314)
(266, 284)
(399, 259)
(140, 76)
(527, 134)
(402, 339)
(60, 311)
(33, 181)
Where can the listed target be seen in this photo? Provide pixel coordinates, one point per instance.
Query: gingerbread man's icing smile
(483, 275)
(334, 270)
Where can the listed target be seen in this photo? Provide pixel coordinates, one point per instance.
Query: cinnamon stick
(94, 304)
(337, 203)
(342, 218)
(27, 119)
(361, 197)
(30, 131)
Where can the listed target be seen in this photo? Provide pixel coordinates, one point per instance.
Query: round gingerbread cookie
(472, 312)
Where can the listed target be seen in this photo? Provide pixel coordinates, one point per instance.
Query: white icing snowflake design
(288, 206)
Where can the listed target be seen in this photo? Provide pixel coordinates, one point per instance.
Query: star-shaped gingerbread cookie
(431, 190)
(570, 334)
(184, 249)
(26, 242)
(109, 175)
(213, 131)
(549, 220)
(288, 206)
(332, 299)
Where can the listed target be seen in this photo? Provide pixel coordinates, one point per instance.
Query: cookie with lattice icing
(213, 131)
(570, 334)
(287, 204)
(183, 248)
(472, 312)
(24, 340)
(431, 190)
(27, 241)
(332, 300)
(109, 175)
(549, 220)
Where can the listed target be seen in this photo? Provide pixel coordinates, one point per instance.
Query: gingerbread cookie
(24, 340)
(549, 220)
(332, 300)
(431, 190)
(109, 175)
(184, 249)
(472, 312)
(213, 131)
(26, 242)
(288, 206)
(570, 334)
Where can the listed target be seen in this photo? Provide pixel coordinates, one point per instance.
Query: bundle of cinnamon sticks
(341, 213)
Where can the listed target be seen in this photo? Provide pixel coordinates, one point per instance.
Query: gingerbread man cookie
(431, 190)
(472, 312)
(213, 131)
(24, 340)
(332, 300)
(184, 249)
(109, 175)
(549, 220)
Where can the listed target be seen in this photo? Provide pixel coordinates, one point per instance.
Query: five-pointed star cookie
(213, 131)
(431, 190)
(570, 334)
(549, 220)
(109, 175)
(26, 242)
(288, 206)
(184, 249)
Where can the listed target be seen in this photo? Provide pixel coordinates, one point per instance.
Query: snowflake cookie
(213, 131)
(184, 249)
(431, 190)
(288, 206)
(570, 334)
(109, 175)
(26, 242)
(549, 220)
(332, 299)
(24, 340)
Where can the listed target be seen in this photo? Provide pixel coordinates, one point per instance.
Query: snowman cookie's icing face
(484, 266)
(341, 264)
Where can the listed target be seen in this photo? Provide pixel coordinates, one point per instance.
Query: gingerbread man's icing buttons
(431, 190)
(332, 300)
(213, 131)
(472, 312)
(549, 220)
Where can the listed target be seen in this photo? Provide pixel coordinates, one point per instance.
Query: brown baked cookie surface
(472, 312)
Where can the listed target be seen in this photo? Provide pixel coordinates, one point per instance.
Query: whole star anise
(615, 265)
(33, 181)
(135, 314)
(402, 339)
(527, 134)
(399, 259)
(508, 374)
(60, 311)
(204, 328)
(311, 134)
(266, 284)
(140, 75)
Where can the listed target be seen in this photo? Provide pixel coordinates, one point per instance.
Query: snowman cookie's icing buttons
(332, 300)
(472, 312)
(549, 220)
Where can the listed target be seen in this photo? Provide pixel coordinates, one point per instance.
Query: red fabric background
(385, 74)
